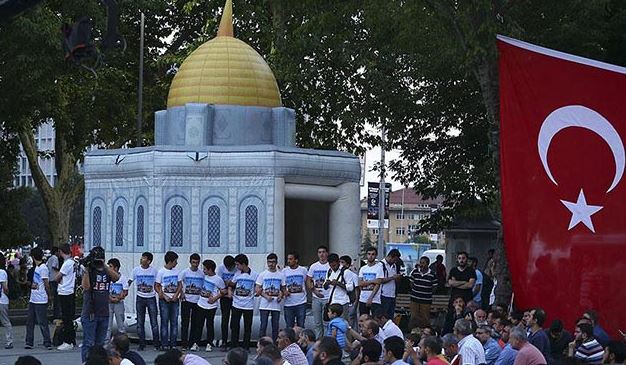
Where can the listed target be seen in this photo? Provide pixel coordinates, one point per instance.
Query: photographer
(96, 284)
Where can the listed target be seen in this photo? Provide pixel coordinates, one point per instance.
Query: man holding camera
(96, 282)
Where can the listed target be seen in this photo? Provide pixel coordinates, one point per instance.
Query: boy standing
(337, 327)
(38, 304)
(243, 301)
(226, 271)
(4, 303)
(212, 289)
(269, 286)
(192, 279)
(169, 288)
(370, 276)
(144, 275)
(66, 277)
(119, 291)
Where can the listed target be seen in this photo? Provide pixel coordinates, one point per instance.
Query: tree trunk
(58, 200)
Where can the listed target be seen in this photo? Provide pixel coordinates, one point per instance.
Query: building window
(97, 225)
(119, 226)
(140, 231)
(176, 222)
(374, 230)
(400, 231)
(252, 226)
(399, 215)
(213, 226)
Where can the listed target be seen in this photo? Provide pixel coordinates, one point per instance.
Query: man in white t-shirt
(66, 279)
(4, 303)
(295, 291)
(346, 262)
(226, 271)
(338, 286)
(144, 276)
(243, 293)
(118, 291)
(387, 325)
(370, 276)
(315, 282)
(269, 286)
(169, 289)
(192, 279)
(211, 292)
(38, 304)
(388, 282)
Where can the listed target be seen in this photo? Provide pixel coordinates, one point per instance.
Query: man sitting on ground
(370, 353)
(615, 353)
(508, 353)
(491, 347)
(394, 348)
(470, 349)
(389, 328)
(121, 344)
(585, 347)
(527, 354)
(289, 349)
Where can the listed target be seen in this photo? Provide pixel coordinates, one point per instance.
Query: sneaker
(209, 348)
(65, 346)
(195, 347)
(28, 347)
(8, 347)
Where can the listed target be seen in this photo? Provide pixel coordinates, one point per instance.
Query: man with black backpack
(338, 285)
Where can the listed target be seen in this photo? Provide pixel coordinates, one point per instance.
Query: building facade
(45, 139)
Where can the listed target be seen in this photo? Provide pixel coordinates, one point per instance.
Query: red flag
(563, 127)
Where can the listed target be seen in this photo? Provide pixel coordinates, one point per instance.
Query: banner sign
(373, 203)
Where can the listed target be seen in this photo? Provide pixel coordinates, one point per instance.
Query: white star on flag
(581, 212)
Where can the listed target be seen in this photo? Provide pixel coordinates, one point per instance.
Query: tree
(36, 84)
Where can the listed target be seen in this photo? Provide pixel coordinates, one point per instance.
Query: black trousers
(204, 316)
(188, 313)
(226, 305)
(247, 327)
(68, 311)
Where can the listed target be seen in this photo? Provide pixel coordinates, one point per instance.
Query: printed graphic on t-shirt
(319, 276)
(145, 283)
(169, 284)
(116, 289)
(295, 283)
(102, 283)
(193, 285)
(271, 287)
(369, 276)
(227, 276)
(208, 288)
(244, 287)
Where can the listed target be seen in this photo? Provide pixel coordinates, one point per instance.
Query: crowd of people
(353, 312)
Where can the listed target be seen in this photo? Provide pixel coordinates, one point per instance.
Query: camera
(95, 258)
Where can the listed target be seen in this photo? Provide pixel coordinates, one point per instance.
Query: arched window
(252, 226)
(213, 226)
(119, 226)
(176, 233)
(97, 226)
(140, 222)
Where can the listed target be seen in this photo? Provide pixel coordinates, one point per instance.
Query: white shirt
(192, 284)
(340, 295)
(390, 329)
(144, 281)
(352, 277)
(295, 282)
(53, 265)
(211, 286)
(318, 273)
(226, 274)
(471, 351)
(388, 289)
(39, 295)
(68, 279)
(4, 299)
(168, 278)
(117, 287)
(270, 283)
(126, 362)
(399, 362)
(369, 273)
(243, 296)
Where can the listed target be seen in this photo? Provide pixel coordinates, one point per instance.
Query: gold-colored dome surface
(225, 70)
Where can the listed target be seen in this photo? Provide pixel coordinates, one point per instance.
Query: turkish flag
(562, 133)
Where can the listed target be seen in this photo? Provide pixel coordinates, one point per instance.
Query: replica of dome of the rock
(225, 70)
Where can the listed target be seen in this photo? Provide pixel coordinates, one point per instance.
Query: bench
(437, 309)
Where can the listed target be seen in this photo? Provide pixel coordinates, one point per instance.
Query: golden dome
(225, 70)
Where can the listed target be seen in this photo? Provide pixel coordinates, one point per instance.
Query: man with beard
(585, 347)
(327, 352)
(462, 278)
(393, 350)
(559, 338)
(508, 353)
(430, 351)
(369, 354)
(491, 347)
(536, 334)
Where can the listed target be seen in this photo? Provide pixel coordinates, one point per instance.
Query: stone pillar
(279, 219)
(345, 221)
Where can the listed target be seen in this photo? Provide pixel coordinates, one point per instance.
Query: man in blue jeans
(144, 277)
(38, 304)
(169, 287)
(295, 291)
(96, 283)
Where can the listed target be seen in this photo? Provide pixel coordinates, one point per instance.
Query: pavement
(71, 357)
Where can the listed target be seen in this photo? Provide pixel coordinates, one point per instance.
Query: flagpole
(381, 195)
(139, 142)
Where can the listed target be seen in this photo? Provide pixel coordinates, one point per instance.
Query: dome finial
(226, 23)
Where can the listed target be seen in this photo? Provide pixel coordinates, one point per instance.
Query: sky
(372, 157)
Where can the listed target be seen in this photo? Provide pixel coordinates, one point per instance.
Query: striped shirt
(422, 286)
(590, 352)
